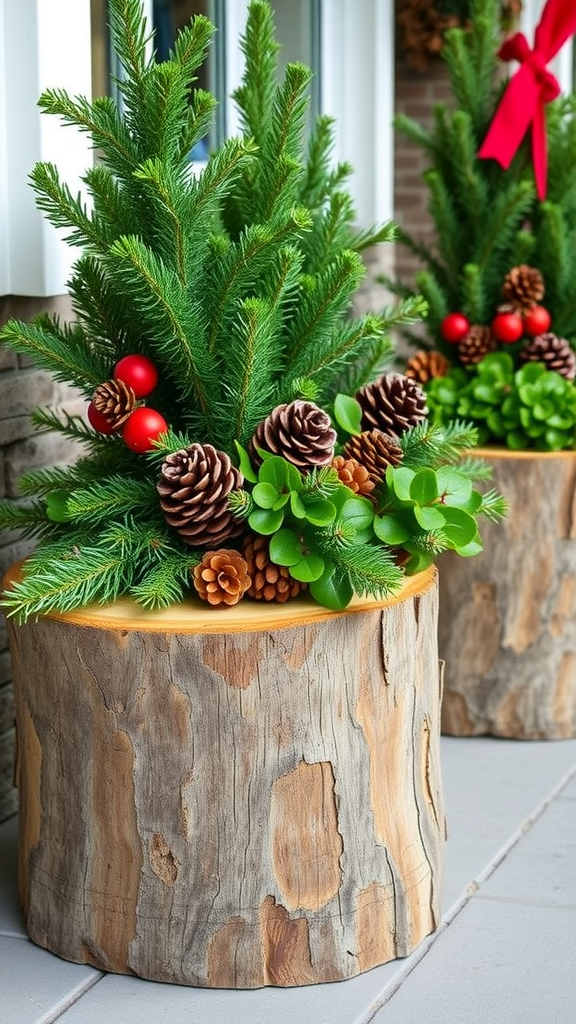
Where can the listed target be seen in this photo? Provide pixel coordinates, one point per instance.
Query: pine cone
(115, 401)
(523, 287)
(299, 431)
(422, 366)
(221, 577)
(476, 344)
(375, 450)
(556, 354)
(393, 403)
(194, 487)
(353, 475)
(270, 582)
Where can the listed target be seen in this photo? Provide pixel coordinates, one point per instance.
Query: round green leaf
(424, 487)
(430, 517)
(265, 495)
(56, 506)
(391, 529)
(286, 548)
(309, 568)
(454, 487)
(459, 527)
(399, 479)
(319, 511)
(348, 413)
(265, 521)
(332, 589)
(282, 474)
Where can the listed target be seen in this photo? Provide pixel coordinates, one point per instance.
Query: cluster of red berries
(144, 425)
(507, 327)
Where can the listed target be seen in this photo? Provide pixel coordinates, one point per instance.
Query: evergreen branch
(167, 582)
(255, 96)
(113, 498)
(333, 351)
(100, 120)
(50, 347)
(172, 316)
(52, 478)
(29, 518)
(328, 295)
(64, 211)
(369, 570)
(494, 506)
(430, 444)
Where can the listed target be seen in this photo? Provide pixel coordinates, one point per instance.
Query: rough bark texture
(508, 616)
(232, 809)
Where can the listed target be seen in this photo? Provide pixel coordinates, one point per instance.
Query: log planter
(232, 798)
(507, 628)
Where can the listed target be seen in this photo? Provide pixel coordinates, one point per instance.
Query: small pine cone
(476, 344)
(114, 400)
(422, 366)
(221, 577)
(353, 475)
(375, 450)
(194, 486)
(299, 431)
(392, 403)
(556, 354)
(523, 287)
(270, 582)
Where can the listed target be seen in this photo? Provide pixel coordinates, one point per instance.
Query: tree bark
(232, 798)
(507, 627)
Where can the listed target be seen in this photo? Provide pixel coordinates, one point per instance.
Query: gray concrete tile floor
(505, 952)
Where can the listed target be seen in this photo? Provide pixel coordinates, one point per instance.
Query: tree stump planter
(507, 627)
(232, 798)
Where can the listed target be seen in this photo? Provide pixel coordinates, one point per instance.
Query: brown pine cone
(115, 401)
(476, 344)
(423, 365)
(556, 354)
(221, 577)
(353, 475)
(270, 582)
(299, 431)
(375, 450)
(194, 487)
(392, 403)
(523, 287)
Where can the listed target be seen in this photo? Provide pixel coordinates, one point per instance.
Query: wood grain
(507, 628)
(255, 807)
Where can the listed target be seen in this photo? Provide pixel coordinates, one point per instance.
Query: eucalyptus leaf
(348, 413)
(332, 589)
(309, 568)
(265, 521)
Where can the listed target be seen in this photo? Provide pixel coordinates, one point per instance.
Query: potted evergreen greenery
(499, 352)
(216, 808)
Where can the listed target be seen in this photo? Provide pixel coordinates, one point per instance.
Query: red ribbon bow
(529, 89)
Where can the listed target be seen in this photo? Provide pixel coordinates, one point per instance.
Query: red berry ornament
(507, 327)
(142, 428)
(138, 372)
(537, 321)
(454, 327)
(98, 421)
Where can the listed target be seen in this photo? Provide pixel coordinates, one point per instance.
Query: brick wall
(22, 388)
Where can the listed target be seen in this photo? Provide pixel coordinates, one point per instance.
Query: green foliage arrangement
(216, 348)
(498, 253)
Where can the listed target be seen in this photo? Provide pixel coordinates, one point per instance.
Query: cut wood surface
(508, 616)
(232, 809)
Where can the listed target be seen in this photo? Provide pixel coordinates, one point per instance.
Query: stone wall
(22, 388)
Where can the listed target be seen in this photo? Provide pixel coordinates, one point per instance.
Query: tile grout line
(70, 999)
(458, 906)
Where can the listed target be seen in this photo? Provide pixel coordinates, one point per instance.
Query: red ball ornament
(138, 372)
(507, 327)
(454, 327)
(537, 321)
(98, 421)
(142, 428)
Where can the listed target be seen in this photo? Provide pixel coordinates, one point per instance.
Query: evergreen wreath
(214, 344)
(498, 275)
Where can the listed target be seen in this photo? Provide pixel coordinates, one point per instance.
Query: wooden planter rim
(191, 616)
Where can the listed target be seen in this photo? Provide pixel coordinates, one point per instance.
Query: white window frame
(561, 66)
(48, 44)
(42, 45)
